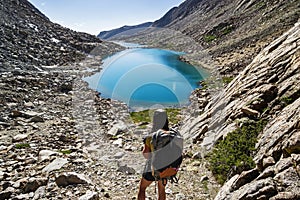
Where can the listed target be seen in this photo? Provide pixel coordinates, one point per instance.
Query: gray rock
(22, 196)
(117, 129)
(268, 172)
(279, 139)
(197, 155)
(245, 177)
(20, 137)
(71, 178)
(36, 119)
(119, 155)
(34, 183)
(46, 154)
(287, 178)
(40, 193)
(56, 164)
(118, 143)
(286, 196)
(126, 170)
(250, 112)
(90, 195)
(269, 161)
(200, 133)
(255, 190)
(225, 191)
(180, 196)
(283, 164)
(6, 194)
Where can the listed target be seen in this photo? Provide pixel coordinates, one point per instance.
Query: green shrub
(227, 79)
(227, 30)
(68, 151)
(286, 100)
(22, 145)
(209, 38)
(235, 151)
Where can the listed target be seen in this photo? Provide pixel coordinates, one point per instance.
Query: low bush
(22, 145)
(234, 153)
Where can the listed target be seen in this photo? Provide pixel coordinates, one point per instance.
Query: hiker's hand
(146, 152)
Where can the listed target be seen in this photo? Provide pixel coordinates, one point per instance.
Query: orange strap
(168, 172)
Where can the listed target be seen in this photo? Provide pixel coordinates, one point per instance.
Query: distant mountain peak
(124, 30)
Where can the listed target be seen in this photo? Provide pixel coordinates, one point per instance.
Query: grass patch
(227, 30)
(22, 146)
(260, 5)
(205, 186)
(68, 151)
(209, 38)
(235, 151)
(145, 116)
(141, 116)
(227, 79)
(286, 100)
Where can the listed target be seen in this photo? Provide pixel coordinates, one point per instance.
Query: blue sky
(93, 16)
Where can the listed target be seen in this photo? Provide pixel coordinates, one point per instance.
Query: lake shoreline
(148, 55)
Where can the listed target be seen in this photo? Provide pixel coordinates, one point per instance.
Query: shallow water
(143, 77)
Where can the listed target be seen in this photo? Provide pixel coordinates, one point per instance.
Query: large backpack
(167, 154)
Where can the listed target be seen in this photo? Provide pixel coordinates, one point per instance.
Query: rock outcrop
(267, 89)
(30, 40)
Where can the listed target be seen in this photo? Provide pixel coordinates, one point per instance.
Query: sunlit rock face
(267, 89)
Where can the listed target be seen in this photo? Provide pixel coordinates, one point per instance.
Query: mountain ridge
(30, 40)
(224, 29)
(135, 28)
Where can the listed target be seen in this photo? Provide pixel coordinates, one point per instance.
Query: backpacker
(167, 154)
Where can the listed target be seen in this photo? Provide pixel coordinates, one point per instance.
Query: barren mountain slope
(268, 89)
(231, 32)
(30, 40)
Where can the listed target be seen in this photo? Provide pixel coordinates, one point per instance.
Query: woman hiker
(160, 121)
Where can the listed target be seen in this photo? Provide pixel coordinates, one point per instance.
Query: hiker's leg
(161, 191)
(142, 189)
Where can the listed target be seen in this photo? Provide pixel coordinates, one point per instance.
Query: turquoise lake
(145, 78)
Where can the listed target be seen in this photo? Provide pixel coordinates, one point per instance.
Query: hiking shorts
(147, 173)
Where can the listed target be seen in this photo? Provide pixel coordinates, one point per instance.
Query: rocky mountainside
(238, 37)
(267, 89)
(230, 32)
(125, 30)
(30, 40)
(186, 8)
(61, 140)
(58, 138)
(228, 29)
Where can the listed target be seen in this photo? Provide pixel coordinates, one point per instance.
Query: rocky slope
(125, 30)
(234, 35)
(230, 32)
(60, 140)
(30, 40)
(267, 89)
